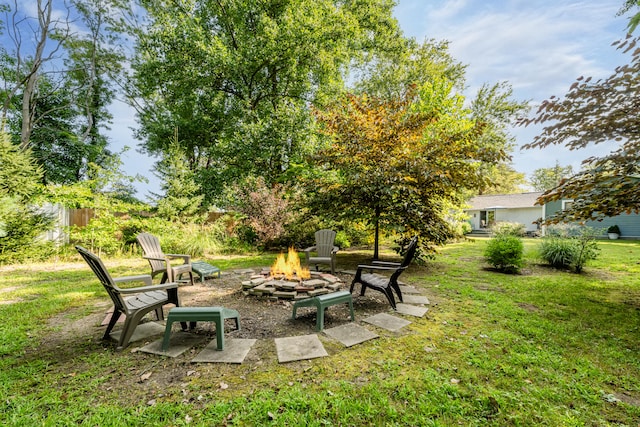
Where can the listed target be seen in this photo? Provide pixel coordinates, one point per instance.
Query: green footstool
(200, 314)
(204, 269)
(323, 301)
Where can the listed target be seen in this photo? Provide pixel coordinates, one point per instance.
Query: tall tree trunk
(28, 95)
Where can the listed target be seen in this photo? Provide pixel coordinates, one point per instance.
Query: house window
(566, 204)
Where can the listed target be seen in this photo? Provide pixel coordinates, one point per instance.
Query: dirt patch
(72, 339)
(529, 307)
(260, 318)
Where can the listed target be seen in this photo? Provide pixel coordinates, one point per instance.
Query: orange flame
(290, 266)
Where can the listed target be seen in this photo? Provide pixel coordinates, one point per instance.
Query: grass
(544, 347)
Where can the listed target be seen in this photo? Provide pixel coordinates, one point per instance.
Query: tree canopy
(597, 112)
(57, 67)
(401, 163)
(237, 77)
(543, 179)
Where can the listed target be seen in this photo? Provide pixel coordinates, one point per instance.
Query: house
(486, 210)
(629, 224)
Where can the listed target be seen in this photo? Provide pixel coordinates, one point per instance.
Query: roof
(504, 201)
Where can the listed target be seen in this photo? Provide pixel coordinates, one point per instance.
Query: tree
(181, 200)
(501, 178)
(597, 112)
(543, 179)
(56, 81)
(20, 223)
(237, 78)
(23, 70)
(398, 163)
(389, 74)
(94, 62)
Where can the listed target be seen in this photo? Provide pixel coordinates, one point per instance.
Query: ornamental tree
(397, 163)
(596, 112)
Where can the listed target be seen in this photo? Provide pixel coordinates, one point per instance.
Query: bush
(557, 251)
(505, 253)
(614, 229)
(20, 237)
(504, 228)
(572, 247)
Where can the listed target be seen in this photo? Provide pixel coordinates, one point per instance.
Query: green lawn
(540, 348)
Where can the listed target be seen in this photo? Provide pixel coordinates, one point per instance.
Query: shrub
(504, 228)
(266, 209)
(505, 253)
(465, 228)
(20, 234)
(556, 251)
(572, 248)
(613, 229)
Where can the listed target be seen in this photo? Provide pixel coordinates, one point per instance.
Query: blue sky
(539, 46)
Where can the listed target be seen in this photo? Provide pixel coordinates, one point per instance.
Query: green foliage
(21, 229)
(569, 247)
(60, 112)
(19, 174)
(401, 163)
(557, 251)
(181, 200)
(505, 252)
(543, 179)
(465, 228)
(21, 224)
(634, 20)
(237, 78)
(614, 229)
(505, 228)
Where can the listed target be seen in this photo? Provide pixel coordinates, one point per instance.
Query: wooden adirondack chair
(324, 249)
(384, 284)
(161, 262)
(134, 303)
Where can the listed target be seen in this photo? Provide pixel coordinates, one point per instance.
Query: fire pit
(287, 279)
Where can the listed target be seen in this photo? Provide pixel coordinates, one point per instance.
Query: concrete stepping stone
(387, 321)
(178, 343)
(350, 334)
(299, 348)
(415, 299)
(235, 351)
(411, 310)
(405, 289)
(142, 332)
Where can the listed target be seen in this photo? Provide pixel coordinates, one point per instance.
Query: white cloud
(540, 47)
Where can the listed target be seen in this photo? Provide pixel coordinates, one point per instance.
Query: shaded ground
(260, 318)
(151, 376)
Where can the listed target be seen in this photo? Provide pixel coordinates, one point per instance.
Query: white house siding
(518, 208)
(525, 216)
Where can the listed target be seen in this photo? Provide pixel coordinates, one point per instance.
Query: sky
(538, 46)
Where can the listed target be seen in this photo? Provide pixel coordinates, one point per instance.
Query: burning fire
(290, 267)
